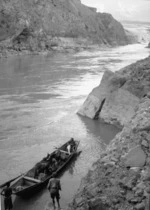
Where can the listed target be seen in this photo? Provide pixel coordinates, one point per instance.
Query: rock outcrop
(37, 25)
(120, 179)
(118, 94)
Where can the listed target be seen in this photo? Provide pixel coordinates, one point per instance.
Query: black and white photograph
(74, 105)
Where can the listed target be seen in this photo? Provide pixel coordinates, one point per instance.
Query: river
(39, 98)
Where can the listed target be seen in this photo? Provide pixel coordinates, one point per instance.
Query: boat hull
(36, 187)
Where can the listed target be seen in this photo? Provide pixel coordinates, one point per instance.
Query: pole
(3, 185)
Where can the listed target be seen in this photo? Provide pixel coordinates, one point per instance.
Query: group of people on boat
(50, 163)
(48, 166)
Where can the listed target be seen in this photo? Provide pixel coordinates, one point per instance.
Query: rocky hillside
(115, 99)
(37, 25)
(120, 179)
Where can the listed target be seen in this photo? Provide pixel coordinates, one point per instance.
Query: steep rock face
(109, 83)
(114, 32)
(40, 25)
(120, 178)
(121, 91)
(120, 105)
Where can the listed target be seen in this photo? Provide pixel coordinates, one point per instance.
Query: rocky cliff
(120, 179)
(37, 25)
(115, 99)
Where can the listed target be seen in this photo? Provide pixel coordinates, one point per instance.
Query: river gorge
(40, 96)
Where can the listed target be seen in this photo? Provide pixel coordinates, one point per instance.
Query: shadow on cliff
(100, 129)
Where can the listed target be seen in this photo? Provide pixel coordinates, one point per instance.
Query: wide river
(39, 98)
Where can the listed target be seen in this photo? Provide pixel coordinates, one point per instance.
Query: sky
(135, 10)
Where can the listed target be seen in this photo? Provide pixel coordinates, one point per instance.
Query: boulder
(116, 98)
(96, 99)
(119, 107)
(90, 106)
(109, 101)
(135, 157)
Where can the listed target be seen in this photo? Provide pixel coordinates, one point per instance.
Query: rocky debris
(116, 98)
(120, 179)
(40, 25)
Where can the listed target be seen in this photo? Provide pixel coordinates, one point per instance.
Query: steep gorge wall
(40, 25)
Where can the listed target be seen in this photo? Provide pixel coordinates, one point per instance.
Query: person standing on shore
(7, 192)
(54, 187)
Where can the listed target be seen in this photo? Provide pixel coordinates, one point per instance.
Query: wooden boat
(38, 176)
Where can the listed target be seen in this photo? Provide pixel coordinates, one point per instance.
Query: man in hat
(54, 187)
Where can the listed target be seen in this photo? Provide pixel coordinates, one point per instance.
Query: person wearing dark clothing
(7, 192)
(54, 187)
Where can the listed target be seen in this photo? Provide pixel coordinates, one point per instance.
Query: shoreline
(60, 49)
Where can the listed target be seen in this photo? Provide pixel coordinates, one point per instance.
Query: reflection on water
(39, 98)
(100, 129)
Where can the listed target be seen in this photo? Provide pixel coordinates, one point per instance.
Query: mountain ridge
(38, 25)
